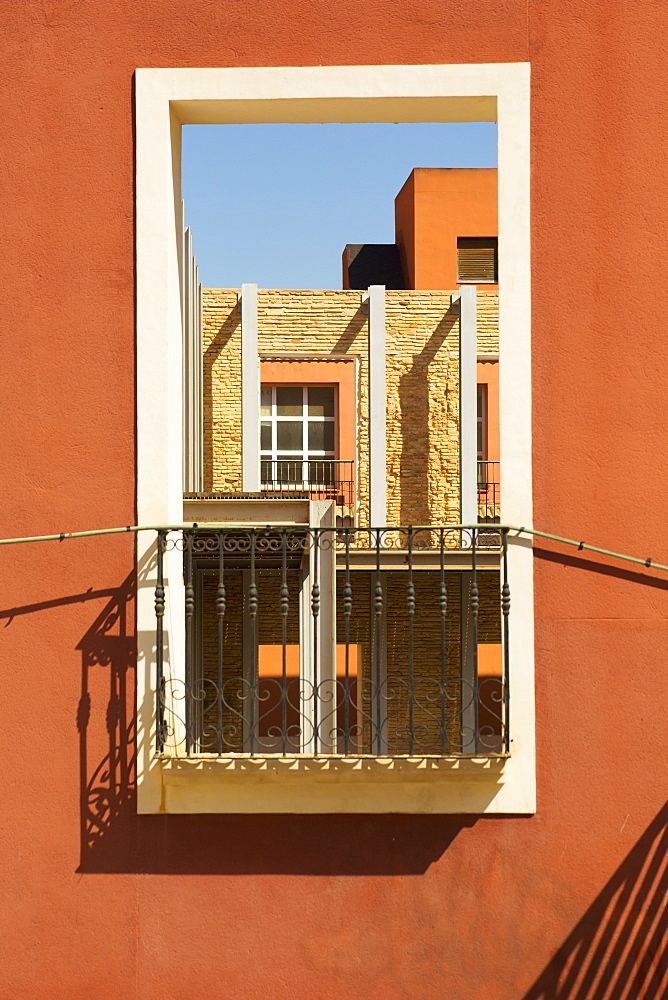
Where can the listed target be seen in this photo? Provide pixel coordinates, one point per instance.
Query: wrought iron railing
(303, 641)
(322, 479)
(489, 492)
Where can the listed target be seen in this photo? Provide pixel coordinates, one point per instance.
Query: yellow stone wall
(422, 385)
(488, 323)
(221, 345)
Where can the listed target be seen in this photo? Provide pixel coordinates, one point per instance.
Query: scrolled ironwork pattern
(346, 724)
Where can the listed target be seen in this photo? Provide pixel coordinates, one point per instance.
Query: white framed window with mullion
(298, 435)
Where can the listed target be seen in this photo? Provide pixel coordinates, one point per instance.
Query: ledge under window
(273, 784)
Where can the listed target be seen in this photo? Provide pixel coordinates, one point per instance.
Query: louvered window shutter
(477, 258)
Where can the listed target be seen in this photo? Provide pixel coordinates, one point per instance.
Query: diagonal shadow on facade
(619, 949)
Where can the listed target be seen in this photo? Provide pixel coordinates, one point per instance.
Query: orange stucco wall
(404, 229)
(433, 208)
(100, 903)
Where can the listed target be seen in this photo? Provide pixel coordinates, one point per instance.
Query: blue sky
(276, 204)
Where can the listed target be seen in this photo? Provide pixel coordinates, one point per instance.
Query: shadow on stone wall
(213, 351)
(356, 325)
(413, 473)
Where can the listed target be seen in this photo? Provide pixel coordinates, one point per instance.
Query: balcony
(345, 642)
(328, 479)
(319, 479)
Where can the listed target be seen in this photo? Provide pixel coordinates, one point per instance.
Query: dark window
(477, 259)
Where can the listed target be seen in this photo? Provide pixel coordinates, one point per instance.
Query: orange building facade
(558, 898)
(446, 236)
(443, 219)
(434, 209)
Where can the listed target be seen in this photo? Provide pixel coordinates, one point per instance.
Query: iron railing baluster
(378, 609)
(505, 612)
(315, 611)
(159, 646)
(442, 612)
(191, 681)
(410, 609)
(475, 607)
(252, 613)
(285, 608)
(220, 614)
(347, 612)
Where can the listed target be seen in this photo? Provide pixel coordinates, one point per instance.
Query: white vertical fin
(377, 408)
(250, 392)
(468, 406)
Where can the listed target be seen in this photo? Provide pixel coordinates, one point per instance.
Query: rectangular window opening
(298, 440)
(517, 793)
(477, 259)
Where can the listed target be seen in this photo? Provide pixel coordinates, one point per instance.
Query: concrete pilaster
(377, 408)
(468, 407)
(250, 392)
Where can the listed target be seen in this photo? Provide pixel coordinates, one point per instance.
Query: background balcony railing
(322, 479)
(489, 491)
(402, 653)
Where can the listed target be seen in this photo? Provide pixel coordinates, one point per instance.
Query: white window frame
(305, 455)
(166, 99)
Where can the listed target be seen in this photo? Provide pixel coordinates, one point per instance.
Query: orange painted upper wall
(404, 228)
(433, 208)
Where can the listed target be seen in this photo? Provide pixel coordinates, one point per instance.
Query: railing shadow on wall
(619, 949)
(107, 792)
(107, 702)
(115, 839)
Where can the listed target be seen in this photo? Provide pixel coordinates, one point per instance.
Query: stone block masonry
(422, 385)
(488, 323)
